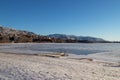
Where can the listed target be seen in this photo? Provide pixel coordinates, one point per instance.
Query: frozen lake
(107, 51)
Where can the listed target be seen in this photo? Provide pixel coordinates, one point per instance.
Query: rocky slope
(8, 35)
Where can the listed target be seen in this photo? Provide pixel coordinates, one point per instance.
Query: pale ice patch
(113, 56)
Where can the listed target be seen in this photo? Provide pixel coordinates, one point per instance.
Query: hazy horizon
(96, 18)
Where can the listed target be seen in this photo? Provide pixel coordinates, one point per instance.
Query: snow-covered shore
(35, 67)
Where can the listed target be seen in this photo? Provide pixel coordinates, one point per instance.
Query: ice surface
(103, 51)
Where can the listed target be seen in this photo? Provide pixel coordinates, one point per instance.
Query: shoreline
(85, 50)
(64, 55)
(36, 67)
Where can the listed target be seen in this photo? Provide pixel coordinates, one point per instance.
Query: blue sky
(98, 18)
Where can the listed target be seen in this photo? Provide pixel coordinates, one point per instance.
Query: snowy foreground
(35, 67)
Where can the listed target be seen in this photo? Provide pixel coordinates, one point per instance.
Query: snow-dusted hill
(73, 37)
(8, 35)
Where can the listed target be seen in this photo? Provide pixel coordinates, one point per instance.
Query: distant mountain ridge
(73, 37)
(8, 35)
